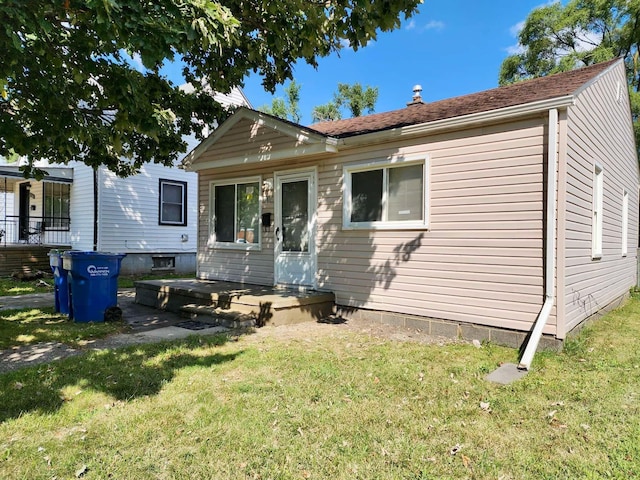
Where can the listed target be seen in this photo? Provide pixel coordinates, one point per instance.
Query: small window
(235, 208)
(173, 203)
(386, 195)
(596, 224)
(625, 222)
(164, 263)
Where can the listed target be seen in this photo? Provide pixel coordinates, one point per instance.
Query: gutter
(550, 245)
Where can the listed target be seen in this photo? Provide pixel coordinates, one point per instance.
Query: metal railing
(15, 230)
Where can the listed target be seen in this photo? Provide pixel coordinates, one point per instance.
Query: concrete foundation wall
(142, 263)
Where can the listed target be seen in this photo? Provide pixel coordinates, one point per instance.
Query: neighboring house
(151, 216)
(438, 214)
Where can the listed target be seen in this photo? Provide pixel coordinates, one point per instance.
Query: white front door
(295, 228)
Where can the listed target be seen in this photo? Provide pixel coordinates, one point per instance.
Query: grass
(341, 406)
(29, 326)
(10, 286)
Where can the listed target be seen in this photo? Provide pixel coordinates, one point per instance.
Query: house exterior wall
(81, 207)
(599, 131)
(129, 218)
(481, 259)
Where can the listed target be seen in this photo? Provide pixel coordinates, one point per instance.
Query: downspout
(95, 208)
(550, 245)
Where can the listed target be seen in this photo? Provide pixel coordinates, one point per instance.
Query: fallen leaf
(18, 386)
(485, 406)
(81, 471)
(300, 431)
(476, 343)
(455, 449)
(466, 461)
(585, 426)
(552, 413)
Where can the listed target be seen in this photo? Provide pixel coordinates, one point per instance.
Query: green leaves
(82, 82)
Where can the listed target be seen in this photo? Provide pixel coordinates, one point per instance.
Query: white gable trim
(314, 143)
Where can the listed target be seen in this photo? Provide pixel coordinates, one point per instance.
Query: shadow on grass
(28, 326)
(123, 374)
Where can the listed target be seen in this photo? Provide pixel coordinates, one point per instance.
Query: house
(502, 215)
(150, 216)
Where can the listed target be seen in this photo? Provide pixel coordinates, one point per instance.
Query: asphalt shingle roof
(542, 88)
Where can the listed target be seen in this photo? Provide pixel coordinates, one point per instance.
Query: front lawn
(34, 325)
(339, 406)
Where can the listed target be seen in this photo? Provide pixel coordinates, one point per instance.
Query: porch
(24, 258)
(207, 302)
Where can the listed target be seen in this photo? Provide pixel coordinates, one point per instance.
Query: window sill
(387, 226)
(234, 246)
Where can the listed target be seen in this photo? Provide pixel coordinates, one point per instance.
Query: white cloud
(516, 29)
(434, 25)
(411, 25)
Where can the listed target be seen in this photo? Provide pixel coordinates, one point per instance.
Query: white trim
(385, 165)
(212, 243)
(310, 174)
(465, 121)
(597, 220)
(625, 223)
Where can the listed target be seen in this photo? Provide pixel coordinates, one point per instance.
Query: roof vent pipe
(417, 98)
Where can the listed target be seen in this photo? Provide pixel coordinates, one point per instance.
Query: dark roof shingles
(542, 88)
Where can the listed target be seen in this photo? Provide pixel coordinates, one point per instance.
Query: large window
(386, 195)
(235, 207)
(56, 205)
(173, 203)
(598, 211)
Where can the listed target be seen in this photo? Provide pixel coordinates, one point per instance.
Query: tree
(352, 97)
(288, 107)
(558, 38)
(70, 88)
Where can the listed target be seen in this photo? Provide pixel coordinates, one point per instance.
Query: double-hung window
(386, 195)
(235, 213)
(173, 203)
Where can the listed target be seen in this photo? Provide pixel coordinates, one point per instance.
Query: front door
(295, 224)
(24, 206)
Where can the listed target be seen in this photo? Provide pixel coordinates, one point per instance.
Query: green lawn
(10, 287)
(344, 406)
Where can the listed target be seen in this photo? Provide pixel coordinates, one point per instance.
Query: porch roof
(11, 174)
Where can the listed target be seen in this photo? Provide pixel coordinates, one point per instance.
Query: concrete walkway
(147, 325)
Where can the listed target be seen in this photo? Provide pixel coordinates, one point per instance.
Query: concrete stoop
(234, 305)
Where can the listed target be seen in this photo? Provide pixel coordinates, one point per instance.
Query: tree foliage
(354, 98)
(558, 38)
(288, 107)
(70, 88)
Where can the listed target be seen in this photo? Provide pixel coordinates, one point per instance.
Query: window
(386, 195)
(173, 203)
(625, 221)
(235, 206)
(56, 206)
(596, 224)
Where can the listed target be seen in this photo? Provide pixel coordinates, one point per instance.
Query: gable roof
(521, 93)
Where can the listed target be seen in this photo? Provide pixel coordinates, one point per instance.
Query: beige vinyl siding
(599, 131)
(246, 139)
(481, 259)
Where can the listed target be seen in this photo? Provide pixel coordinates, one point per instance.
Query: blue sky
(451, 48)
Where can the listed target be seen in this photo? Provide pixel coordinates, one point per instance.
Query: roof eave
(453, 123)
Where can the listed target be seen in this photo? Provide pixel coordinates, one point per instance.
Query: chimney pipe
(417, 98)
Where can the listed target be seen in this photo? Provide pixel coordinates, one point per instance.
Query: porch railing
(15, 229)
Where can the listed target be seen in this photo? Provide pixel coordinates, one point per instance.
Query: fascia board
(460, 122)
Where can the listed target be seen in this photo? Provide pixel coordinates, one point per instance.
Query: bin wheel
(113, 314)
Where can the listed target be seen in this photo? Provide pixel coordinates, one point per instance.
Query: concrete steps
(233, 303)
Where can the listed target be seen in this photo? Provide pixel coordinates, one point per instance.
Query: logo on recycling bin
(98, 271)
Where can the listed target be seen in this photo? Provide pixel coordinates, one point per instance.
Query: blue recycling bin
(60, 283)
(93, 283)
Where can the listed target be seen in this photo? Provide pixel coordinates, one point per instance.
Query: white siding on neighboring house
(129, 212)
(81, 207)
(599, 132)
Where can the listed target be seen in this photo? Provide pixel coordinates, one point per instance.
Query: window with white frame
(235, 213)
(386, 195)
(598, 212)
(625, 221)
(56, 205)
(173, 203)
